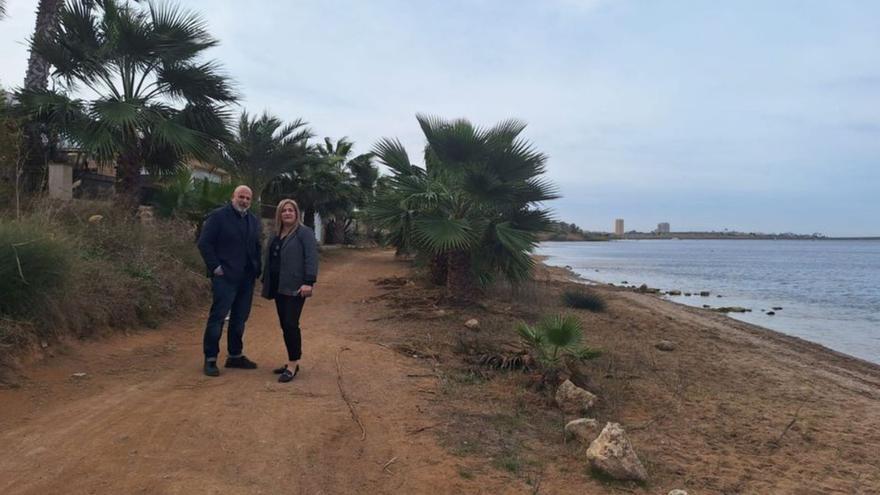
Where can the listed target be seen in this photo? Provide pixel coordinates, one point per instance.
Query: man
(230, 246)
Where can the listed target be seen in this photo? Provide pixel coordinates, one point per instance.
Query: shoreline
(570, 276)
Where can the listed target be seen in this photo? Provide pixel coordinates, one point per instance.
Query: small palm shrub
(556, 340)
(583, 300)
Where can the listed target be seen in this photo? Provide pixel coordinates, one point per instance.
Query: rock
(770, 313)
(688, 294)
(612, 454)
(96, 218)
(706, 306)
(677, 492)
(441, 312)
(624, 282)
(777, 308)
(665, 345)
(584, 429)
(573, 399)
(732, 309)
(719, 295)
(473, 324)
(674, 293)
(704, 293)
(44, 344)
(79, 375)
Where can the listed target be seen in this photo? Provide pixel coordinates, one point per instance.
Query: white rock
(612, 454)
(79, 375)
(584, 429)
(96, 218)
(473, 324)
(573, 399)
(677, 492)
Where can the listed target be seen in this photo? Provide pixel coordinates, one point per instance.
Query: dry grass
(121, 274)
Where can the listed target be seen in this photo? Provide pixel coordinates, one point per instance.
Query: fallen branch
(385, 467)
(354, 414)
(791, 423)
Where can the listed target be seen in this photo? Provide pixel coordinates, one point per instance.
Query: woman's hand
(305, 291)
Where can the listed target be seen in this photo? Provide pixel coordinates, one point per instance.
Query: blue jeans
(231, 298)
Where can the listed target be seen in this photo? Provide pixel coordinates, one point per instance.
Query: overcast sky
(748, 115)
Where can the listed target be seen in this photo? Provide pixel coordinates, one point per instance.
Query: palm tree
(473, 209)
(156, 102)
(37, 76)
(264, 147)
(2, 9)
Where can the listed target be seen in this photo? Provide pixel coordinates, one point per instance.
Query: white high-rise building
(618, 227)
(663, 228)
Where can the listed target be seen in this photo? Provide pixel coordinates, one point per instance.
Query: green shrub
(555, 339)
(34, 265)
(583, 300)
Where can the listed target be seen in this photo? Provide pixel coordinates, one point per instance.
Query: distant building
(663, 228)
(618, 227)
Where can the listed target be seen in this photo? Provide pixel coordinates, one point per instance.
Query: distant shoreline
(715, 237)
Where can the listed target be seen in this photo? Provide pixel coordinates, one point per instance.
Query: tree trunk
(460, 286)
(309, 217)
(339, 231)
(37, 76)
(128, 178)
(438, 267)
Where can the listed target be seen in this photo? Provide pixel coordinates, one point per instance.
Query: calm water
(829, 291)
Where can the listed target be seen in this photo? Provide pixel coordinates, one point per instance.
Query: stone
(706, 306)
(44, 344)
(674, 293)
(612, 454)
(665, 345)
(584, 429)
(732, 309)
(777, 308)
(473, 324)
(573, 399)
(770, 313)
(688, 294)
(79, 375)
(96, 218)
(677, 492)
(704, 293)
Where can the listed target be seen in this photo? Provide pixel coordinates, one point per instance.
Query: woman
(289, 277)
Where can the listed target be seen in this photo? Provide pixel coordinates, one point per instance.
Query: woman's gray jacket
(299, 262)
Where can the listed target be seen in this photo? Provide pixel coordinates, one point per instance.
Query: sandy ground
(145, 419)
(734, 409)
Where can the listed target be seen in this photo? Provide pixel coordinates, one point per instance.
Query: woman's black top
(274, 265)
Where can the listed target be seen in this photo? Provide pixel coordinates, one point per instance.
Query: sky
(758, 116)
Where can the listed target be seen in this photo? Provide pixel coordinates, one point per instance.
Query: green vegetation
(473, 211)
(122, 53)
(556, 339)
(579, 299)
(80, 268)
(180, 196)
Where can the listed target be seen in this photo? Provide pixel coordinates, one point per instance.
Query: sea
(826, 291)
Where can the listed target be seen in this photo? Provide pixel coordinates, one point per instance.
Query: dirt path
(145, 420)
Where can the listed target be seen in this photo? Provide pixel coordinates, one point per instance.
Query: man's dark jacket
(232, 241)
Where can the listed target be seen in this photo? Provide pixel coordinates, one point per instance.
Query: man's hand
(218, 272)
(305, 291)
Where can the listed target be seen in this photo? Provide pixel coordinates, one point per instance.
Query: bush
(35, 265)
(583, 300)
(89, 266)
(556, 339)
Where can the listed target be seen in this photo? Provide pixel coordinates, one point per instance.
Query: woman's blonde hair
(281, 204)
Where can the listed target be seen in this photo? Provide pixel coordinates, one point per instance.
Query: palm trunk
(128, 177)
(438, 267)
(339, 231)
(460, 286)
(37, 76)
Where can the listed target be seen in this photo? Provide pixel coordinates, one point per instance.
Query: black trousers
(289, 309)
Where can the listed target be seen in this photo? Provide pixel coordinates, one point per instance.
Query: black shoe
(280, 370)
(211, 368)
(288, 375)
(241, 362)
